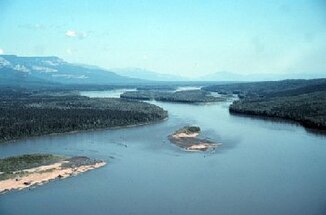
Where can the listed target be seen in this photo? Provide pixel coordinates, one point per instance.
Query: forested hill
(24, 113)
(303, 101)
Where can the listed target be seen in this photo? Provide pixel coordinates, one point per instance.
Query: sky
(186, 37)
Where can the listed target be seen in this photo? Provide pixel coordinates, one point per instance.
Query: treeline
(270, 88)
(25, 114)
(303, 101)
(307, 109)
(186, 96)
(17, 163)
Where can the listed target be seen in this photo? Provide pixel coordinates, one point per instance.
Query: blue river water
(263, 167)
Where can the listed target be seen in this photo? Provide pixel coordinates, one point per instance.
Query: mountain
(147, 75)
(223, 76)
(16, 70)
(229, 76)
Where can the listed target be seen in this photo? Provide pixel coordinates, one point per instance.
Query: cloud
(2, 51)
(71, 33)
(75, 34)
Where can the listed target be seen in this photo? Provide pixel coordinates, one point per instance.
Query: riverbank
(87, 130)
(306, 109)
(302, 101)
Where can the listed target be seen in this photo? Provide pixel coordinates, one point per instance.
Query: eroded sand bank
(187, 139)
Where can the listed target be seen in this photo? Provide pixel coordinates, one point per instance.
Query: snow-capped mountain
(54, 70)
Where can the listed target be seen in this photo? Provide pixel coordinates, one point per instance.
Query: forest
(307, 109)
(303, 101)
(186, 96)
(26, 113)
(269, 88)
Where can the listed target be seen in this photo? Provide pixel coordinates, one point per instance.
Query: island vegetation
(187, 139)
(186, 96)
(31, 113)
(23, 171)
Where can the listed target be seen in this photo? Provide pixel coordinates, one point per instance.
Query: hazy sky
(187, 37)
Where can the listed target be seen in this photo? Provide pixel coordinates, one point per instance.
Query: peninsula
(26, 113)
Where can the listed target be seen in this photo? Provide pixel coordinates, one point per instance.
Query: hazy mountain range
(39, 71)
(217, 76)
(230, 76)
(147, 75)
(53, 70)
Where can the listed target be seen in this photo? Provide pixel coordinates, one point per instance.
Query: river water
(263, 167)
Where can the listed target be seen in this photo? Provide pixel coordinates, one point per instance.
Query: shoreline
(36, 176)
(309, 126)
(188, 140)
(86, 130)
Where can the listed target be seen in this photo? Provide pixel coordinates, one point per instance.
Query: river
(263, 167)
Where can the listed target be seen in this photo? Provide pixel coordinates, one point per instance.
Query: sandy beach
(187, 139)
(184, 134)
(43, 174)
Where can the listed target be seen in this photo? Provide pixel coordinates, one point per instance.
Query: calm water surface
(263, 167)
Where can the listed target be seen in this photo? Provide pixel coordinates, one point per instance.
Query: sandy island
(187, 139)
(39, 175)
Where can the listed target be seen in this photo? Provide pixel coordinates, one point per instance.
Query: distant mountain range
(230, 76)
(25, 71)
(147, 75)
(47, 71)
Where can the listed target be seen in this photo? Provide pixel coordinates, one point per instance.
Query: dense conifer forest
(32, 113)
(186, 96)
(303, 101)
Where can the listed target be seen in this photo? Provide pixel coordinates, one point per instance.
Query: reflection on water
(263, 167)
(188, 88)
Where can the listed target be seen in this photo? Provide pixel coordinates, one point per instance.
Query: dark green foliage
(17, 163)
(270, 88)
(187, 96)
(308, 109)
(140, 94)
(33, 114)
(189, 130)
(303, 101)
(193, 129)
